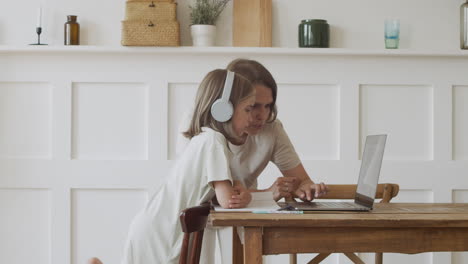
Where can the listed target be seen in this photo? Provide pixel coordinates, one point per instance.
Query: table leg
(253, 247)
(237, 250)
(378, 258)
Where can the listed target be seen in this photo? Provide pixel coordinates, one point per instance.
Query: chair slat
(193, 221)
(348, 191)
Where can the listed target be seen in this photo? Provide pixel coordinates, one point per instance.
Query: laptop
(367, 183)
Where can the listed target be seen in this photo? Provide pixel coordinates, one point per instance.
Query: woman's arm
(229, 196)
(285, 156)
(295, 183)
(283, 187)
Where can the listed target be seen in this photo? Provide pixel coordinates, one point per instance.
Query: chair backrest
(385, 191)
(193, 221)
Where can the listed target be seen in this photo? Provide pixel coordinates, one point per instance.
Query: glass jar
(314, 33)
(72, 31)
(464, 25)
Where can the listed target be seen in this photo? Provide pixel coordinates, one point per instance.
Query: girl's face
(242, 116)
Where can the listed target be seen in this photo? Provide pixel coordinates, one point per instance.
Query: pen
(277, 212)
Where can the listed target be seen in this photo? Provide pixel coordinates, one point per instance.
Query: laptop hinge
(364, 200)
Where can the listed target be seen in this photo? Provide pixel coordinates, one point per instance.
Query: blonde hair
(209, 91)
(256, 73)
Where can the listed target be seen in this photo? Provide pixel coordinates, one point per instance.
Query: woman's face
(262, 108)
(242, 116)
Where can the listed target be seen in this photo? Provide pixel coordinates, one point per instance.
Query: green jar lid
(313, 21)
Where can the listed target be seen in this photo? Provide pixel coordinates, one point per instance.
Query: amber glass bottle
(72, 31)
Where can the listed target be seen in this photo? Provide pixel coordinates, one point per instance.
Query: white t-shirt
(155, 234)
(250, 159)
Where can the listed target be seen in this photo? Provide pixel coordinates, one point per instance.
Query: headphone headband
(227, 86)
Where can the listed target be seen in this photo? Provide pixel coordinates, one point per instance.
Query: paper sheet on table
(260, 201)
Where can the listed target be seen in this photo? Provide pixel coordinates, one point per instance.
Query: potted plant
(203, 15)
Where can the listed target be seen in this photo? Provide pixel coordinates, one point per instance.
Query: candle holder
(38, 31)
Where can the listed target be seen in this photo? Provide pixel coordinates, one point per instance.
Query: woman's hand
(308, 190)
(241, 196)
(284, 187)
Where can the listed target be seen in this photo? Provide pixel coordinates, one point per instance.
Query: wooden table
(398, 227)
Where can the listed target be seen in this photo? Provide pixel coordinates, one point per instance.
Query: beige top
(250, 159)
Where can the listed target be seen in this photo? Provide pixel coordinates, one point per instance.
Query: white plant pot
(203, 35)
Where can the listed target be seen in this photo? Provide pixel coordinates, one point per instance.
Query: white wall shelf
(233, 50)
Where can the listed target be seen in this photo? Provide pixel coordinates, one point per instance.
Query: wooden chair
(385, 191)
(193, 221)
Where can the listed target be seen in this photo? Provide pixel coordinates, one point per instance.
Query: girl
(199, 174)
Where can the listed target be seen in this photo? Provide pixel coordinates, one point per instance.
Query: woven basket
(154, 11)
(147, 33)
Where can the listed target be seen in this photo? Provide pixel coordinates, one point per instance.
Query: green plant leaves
(206, 12)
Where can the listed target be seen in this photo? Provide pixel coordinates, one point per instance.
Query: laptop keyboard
(329, 205)
(338, 205)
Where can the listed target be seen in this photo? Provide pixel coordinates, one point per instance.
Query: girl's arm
(241, 197)
(229, 196)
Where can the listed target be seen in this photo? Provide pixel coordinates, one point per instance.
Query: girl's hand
(240, 198)
(284, 187)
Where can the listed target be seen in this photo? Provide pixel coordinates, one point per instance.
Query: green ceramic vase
(314, 33)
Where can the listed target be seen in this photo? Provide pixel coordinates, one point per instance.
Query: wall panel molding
(405, 113)
(26, 120)
(110, 121)
(460, 122)
(25, 224)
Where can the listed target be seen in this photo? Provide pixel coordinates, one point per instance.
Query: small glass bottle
(72, 31)
(464, 25)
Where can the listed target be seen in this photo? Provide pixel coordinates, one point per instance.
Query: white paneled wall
(25, 120)
(25, 225)
(100, 218)
(86, 135)
(316, 112)
(415, 196)
(405, 113)
(119, 130)
(181, 98)
(460, 115)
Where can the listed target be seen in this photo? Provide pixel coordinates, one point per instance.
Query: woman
(268, 141)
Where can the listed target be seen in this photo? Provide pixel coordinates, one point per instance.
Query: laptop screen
(370, 166)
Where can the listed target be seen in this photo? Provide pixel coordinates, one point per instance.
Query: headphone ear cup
(221, 110)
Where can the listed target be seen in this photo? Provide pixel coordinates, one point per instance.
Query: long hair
(211, 89)
(256, 73)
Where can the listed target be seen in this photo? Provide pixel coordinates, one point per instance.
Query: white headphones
(222, 109)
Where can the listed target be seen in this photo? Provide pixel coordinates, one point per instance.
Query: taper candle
(39, 17)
